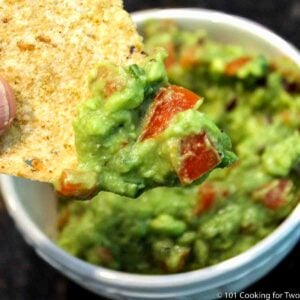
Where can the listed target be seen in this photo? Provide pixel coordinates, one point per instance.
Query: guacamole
(168, 230)
(137, 132)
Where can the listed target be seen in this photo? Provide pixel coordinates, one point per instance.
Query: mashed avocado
(169, 230)
(118, 151)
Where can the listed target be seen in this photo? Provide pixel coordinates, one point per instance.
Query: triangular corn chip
(47, 50)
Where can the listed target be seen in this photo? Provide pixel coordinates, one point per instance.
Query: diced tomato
(274, 194)
(189, 57)
(69, 188)
(171, 58)
(208, 193)
(198, 156)
(168, 102)
(234, 66)
(206, 198)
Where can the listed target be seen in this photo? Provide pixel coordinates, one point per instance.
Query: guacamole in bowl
(168, 230)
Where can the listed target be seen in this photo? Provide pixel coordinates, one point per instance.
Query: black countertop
(23, 275)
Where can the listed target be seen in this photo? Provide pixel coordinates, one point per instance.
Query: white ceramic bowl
(33, 205)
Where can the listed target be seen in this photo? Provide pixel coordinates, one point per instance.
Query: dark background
(23, 275)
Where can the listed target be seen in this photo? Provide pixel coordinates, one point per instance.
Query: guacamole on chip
(137, 132)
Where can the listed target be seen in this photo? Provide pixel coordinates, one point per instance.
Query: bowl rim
(46, 247)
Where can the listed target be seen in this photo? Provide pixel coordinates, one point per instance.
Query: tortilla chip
(47, 50)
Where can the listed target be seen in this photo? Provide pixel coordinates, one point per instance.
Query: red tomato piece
(198, 156)
(189, 57)
(171, 58)
(68, 188)
(206, 198)
(234, 66)
(273, 194)
(168, 102)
